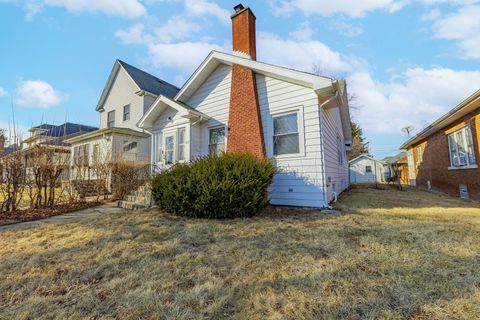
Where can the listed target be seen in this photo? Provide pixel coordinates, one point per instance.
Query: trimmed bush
(226, 186)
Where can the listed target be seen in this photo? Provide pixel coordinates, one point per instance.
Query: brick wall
(245, 132)
(436, 160)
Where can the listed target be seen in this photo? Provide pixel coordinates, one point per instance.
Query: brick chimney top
(243, 31)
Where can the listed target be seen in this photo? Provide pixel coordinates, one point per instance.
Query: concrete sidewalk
(68, 217)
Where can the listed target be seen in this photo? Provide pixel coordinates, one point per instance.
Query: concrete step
(130, 205)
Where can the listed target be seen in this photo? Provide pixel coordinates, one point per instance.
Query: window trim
(126, 113)
(368, 167)
(177, 142)
(108, 121)
(301, 132)
(419, 154)
(224, 127)
(468, 165)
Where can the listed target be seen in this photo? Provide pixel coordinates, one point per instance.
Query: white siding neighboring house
(365, 169)
(128, 94)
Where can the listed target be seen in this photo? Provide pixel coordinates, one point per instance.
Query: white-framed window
(159, 145)
(169, 149)
(181, 144)
(81, 155)
(111, 119)
(286, 135)
(96, 152)
(419, 154)
(460, 145)
(368, 169)
(216, 141)
(126, 112)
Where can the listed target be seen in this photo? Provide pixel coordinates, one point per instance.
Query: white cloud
(164, 46)
(303, 33)
(185, 56)
(302, 55)
(346, 29)
(3, 92)
(123, 8)
(417, 98)
(201, 8)
(350, 8)
(37, 94)
(462, 26)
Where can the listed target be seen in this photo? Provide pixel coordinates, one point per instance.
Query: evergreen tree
(359, 144)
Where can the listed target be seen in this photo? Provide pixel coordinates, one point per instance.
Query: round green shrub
(227, 186)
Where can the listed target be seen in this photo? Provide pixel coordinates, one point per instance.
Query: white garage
(365, 169)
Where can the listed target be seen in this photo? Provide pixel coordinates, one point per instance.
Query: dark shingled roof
(149, 82)
(67, 129)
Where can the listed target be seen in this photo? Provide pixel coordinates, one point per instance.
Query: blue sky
(406, 61)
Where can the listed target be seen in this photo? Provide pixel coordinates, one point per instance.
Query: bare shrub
(13, 176)
(127, 176)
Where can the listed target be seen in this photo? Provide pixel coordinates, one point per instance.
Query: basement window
(460, 144)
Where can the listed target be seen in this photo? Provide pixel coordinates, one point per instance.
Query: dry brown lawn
(389, 255)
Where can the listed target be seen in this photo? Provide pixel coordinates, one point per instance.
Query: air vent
(464, 191)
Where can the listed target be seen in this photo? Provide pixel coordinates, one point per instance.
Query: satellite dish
(407, 130)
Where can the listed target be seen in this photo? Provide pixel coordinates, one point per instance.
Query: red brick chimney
(245, 133)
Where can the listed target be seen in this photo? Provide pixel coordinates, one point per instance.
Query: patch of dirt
(36, 214)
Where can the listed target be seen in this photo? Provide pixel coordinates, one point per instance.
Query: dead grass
(389, 255)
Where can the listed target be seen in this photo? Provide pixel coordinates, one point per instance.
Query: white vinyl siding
(213, 99)
(299, 181)
(122, 93)
(336, 169)
(461, 149)
(366, 170)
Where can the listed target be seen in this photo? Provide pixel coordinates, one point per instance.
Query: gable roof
(161, 104)
(365, 155)
(325, 88)
(395, 158)
(215, 58)
(463, 108)
(143, 80)
(67, 129)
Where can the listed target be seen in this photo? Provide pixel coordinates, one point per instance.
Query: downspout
(322, 149)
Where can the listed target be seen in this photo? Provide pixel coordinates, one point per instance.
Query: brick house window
(126, 112)
(460, 145)
(216, 142)
(111, 119)
(419, 154)
(285, 134)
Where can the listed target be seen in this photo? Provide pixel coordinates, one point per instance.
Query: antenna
(407, 130)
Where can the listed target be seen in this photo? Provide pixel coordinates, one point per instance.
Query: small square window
(368, 169)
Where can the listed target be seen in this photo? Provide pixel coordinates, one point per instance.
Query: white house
(128, 93)
(365, 169)
(234, 103)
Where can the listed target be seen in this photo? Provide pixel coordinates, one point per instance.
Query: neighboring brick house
(444, 156)
(235, 103)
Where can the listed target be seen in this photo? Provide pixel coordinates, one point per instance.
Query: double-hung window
(286, 138)
(460, 144)
(216, 142)
(126, 112)
(181, 144)
(96, 153)
(111, 119)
